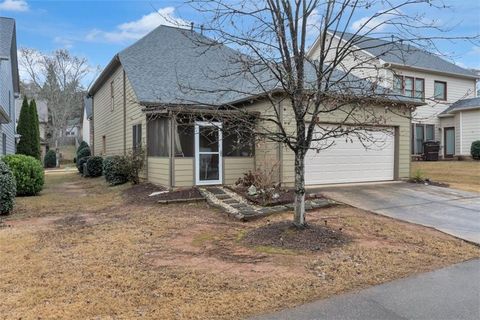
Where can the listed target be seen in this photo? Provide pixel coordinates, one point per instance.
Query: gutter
(402, 66)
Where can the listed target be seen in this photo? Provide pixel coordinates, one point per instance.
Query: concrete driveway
(452, 211)
(445, 294)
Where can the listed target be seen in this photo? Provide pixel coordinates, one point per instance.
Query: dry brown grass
(80, 252)
(463, 175)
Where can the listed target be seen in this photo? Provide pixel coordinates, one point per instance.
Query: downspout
(124, 115)
(92, 127)
(461, 135)
(171, 179)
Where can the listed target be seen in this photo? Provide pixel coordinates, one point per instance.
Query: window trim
(444, 98)
(414, 136)
(414, 82)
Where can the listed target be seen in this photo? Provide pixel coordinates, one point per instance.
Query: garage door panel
(349, 161)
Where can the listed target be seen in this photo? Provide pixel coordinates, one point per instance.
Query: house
(143, 97)
(413, 72)
(9, 85)
(460, 124)
(86, 119)
(73, 128)
(42, 111)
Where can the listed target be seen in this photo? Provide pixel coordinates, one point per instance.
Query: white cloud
(134, 30)
(14, 5)
(378, 23)
(64, 42)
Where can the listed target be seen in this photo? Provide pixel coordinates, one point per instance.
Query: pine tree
(36, 130)
(24, 129)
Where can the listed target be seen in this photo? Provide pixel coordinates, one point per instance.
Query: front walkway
(449, 293)
(452, 211)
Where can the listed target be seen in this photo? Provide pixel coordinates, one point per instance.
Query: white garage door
(350, 160)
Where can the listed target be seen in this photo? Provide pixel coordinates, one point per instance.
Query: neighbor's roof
(8, 48)
(42, 109)
(464, 104)
(173, 66)
(405, 55)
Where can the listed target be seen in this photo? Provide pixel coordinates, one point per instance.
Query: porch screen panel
(158, 137)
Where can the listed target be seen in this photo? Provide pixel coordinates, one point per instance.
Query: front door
(449, 137)
(208, 153)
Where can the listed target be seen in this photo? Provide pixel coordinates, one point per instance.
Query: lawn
(84, 250)
(463, 175)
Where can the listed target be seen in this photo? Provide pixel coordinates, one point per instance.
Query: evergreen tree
(36, 130)
(24, 129)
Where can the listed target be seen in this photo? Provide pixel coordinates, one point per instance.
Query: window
(440, 90)
(4, 144)
(409, 86)
(158, 134)
(420, 134)
(238, 141)
(185, 140)
(136, 137)
(112, 95)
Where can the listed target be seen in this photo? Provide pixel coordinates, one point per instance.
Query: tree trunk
(299, 216)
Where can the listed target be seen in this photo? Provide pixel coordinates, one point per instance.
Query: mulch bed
(286, 236)
(287, 196)
(430, 183)
(180, 194)
(140, 194)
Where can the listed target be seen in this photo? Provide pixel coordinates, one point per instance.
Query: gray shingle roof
(464, 104)
(407, 55)
(8, 48)
(178, 66)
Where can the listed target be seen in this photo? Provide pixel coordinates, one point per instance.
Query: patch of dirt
(286, 196)
(180, 194)
(285, 235)
(140, 193)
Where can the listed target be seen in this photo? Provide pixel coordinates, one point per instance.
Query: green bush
(116, 170)
(475, 150)
(50, 159)
(8, 189)
(94, 166)
(28, 173)
(82, 153)
(28, 129)
(81, 167)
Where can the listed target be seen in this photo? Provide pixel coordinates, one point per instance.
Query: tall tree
(337, 82)
(28, 130)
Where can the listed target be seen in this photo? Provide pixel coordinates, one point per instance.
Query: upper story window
(112, 95)
(440, 90)
(410, 86)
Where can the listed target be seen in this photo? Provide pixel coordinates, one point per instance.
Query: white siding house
(9, 85)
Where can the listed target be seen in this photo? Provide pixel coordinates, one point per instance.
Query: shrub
(94, 166)
(135, 161)
(82, 153)
(418, 176)
(116, 170)
(50, 159)
(475, 150)
(28, 173)
(82, 145)
(81, 167)
(28, 128)
(8, 189)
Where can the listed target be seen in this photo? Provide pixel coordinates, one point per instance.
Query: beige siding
(184, 174)
(159, 170)
(468, 130)
(235, 167)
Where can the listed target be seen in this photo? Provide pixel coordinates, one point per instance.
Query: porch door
(208, 153)
(449, 142)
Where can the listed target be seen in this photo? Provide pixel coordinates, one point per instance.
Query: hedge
(94, 166)
(116, 170)
(8, 189)
(475, 150)
(28, 172)
(81, 167)
(50, 159)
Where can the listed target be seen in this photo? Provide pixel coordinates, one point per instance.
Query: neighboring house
(42, 111)
(9, 85)
(460, 124)
(140, 99)
(73, 128)
(87, 117)
(413, 72)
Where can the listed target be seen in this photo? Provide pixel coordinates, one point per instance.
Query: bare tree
(57, 78)
(333, 80)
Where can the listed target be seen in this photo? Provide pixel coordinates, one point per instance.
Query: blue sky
(99, 29)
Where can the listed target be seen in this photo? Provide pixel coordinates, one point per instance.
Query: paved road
(452, 211)
(452, 293)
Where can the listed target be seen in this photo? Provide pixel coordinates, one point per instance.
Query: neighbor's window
(158, 134)
(238, 141)
(409, 86)
(112, 95)
(420, 134)
(429, 132)
(136, 137)
(440, 90)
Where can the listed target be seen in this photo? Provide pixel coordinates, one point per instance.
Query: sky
(99, 29)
